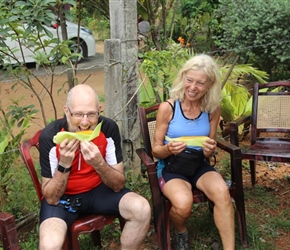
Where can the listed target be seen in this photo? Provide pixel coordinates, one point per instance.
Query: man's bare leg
(136, 211)
(52, 233)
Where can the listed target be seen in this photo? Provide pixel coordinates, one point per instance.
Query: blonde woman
(192, 110)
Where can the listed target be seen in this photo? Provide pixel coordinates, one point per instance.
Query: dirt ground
(276, 179)
(267, 175)
(93, 77)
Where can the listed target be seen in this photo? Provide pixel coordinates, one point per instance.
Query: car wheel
(74, 49)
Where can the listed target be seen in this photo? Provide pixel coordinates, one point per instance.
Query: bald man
(90, 175)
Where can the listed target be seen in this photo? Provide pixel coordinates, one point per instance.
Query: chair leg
(162, 225)
(167, 220)
(96, 238)
(240, 208)
(96, 235)
(66, 244)
(165, 234)
(74, 240)
(253, 172)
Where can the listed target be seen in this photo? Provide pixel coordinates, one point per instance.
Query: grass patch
(266, 220)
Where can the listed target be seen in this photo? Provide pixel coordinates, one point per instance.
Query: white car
(87, 44)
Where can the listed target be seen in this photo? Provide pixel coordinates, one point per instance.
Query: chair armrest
(146, 160)
(242, 119)
(234, 128)
(228, 147)
(152, 175)
(235, 160)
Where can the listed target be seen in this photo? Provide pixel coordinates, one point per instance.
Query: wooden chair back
(269, 125)
(270, 111)
(147, 122)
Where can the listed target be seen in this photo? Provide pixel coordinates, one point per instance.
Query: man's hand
(67, 152)
(112, 176)
(92, 154)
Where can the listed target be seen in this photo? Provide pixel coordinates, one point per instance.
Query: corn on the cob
(189, 140)
(81, 135)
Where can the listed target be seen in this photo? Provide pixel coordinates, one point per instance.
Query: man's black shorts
(100, 200)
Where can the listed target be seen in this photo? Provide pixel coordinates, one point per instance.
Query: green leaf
(239, 99)
(248, 108)
(4, 142)
(227, 109)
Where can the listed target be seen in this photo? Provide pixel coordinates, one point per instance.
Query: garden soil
(275, 177)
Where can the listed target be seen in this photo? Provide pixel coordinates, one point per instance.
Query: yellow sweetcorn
(81, 135)
(195, 141)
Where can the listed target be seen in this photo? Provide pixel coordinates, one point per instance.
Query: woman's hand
(176, 147)
(209, 147)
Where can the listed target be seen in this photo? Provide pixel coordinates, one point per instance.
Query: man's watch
(62, 169)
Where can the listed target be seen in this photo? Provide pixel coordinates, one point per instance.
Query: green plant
(27, 29)
(21, 201)
(265, 218)
(257, 35)
(193, 22)
(13, 126)
(138, 183)
(159, 68)
(236, 100)
(98, 24)
(101, 27)
(223, 165)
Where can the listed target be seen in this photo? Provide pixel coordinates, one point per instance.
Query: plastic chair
(86, 224)
(270, 119)
(161, 205)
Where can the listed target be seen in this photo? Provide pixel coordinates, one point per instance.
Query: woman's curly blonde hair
(211, 100)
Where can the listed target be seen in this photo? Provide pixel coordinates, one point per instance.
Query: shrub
(258, 31)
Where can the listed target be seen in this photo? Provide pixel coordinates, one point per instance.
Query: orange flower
(181, 40)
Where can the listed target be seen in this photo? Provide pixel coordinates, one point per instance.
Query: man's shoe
(181, 241)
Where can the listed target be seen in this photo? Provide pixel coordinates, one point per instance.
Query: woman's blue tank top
(182, 126)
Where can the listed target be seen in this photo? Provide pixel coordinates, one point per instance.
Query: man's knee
(136, 206)
(52, 233)
(145, 208)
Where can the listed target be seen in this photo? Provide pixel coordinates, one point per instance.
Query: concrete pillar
(121, 76)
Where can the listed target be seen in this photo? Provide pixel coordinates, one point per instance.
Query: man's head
(82, 108)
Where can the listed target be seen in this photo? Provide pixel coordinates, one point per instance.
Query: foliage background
(258, 32)
(249, 35)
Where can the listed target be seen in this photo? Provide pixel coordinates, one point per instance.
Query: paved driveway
(92, 63)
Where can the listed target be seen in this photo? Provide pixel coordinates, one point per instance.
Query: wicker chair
(161, 205)
(86, 224)
(269, 126)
